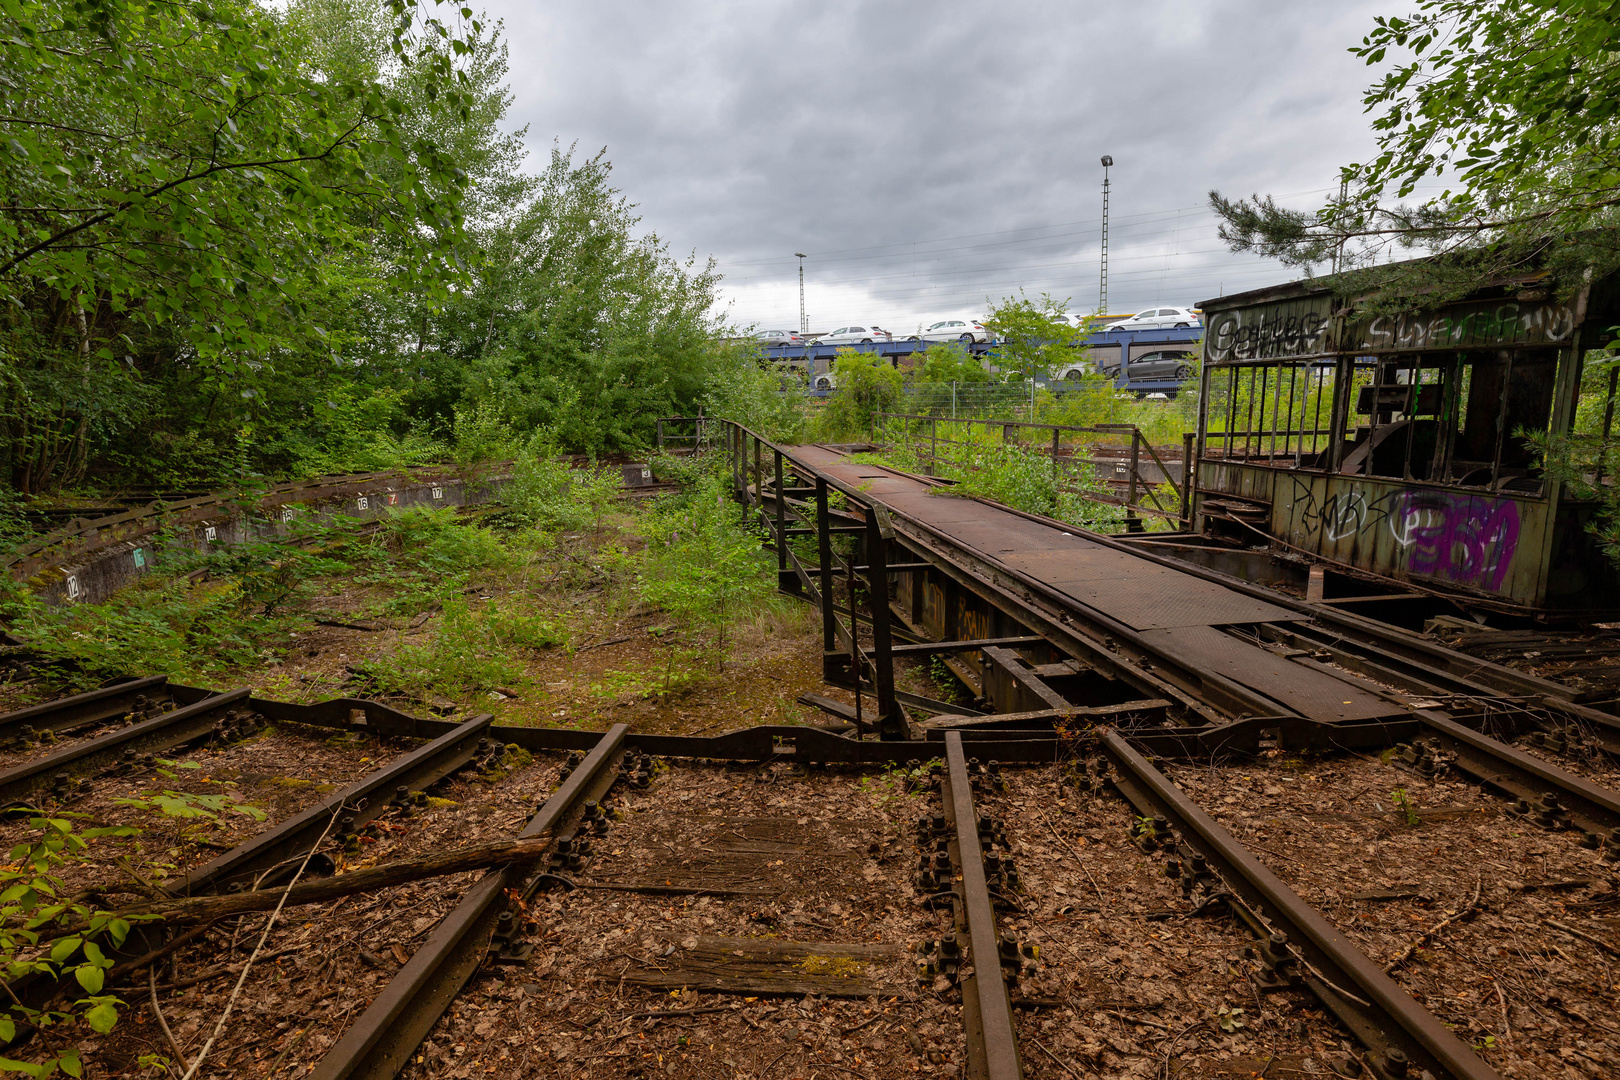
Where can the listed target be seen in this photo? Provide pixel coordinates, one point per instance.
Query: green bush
(765, 397)
(700, 566)
(941, 365)
(483, 433)
(546, 494)
(471, 650)
(867, 384)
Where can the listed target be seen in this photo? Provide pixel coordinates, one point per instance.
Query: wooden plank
(756, 966)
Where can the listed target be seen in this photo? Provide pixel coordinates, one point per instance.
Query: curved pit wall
(89, 560)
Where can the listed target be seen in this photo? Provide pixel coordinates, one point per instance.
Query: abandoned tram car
(1395, 445)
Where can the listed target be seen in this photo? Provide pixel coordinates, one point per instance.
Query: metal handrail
(1137, 441)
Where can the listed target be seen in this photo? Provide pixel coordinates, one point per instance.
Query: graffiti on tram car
(1466, 539)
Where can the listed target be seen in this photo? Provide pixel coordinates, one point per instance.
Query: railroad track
(1212, 834)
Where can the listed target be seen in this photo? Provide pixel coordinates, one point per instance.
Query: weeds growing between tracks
(439, 608)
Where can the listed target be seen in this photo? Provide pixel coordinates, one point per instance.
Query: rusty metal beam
(1035, 718)
(398, 1019)
(928, 648)
(1386, 1018)
(165, 732)
(891, 722)
(995, 1020)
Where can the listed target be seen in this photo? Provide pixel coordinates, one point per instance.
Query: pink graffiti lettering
(1470, 540)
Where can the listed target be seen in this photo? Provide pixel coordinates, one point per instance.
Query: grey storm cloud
(927, 156)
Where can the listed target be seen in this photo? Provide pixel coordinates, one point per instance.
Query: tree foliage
(162, 159)
(1514, 102)
(867, 384)
(942, 365)
(574, 319)
(240, 241)
(1035, 339)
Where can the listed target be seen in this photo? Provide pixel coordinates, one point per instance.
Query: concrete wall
(90, 576)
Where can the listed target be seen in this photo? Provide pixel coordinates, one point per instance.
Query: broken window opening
(1590, 452)
(1270, 413)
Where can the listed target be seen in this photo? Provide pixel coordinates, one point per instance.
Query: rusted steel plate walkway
(1179, 610)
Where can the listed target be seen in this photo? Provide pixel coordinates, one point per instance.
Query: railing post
(661, 438)
(759, 478)
(890, 722)
(933, 436)
(742, 470)
(1131, 522)
(829, 636)
(784, 580)
(1055, 434)
(1189, 470)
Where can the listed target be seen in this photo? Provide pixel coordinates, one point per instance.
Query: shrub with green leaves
(473, 648)
(32, 902)
(547, 494)
(700, 565)
(867, 384)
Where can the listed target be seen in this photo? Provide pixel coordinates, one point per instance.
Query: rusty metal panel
(937, 508)
(1296, 327)
(1006, 534)
(1485, 543)
(1489, 324)
(1247, 482)
(1091, 562)
(1152, 597)
(1304, 690)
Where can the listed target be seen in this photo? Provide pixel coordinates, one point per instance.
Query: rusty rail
(164, 732)
(81, 710)
(1401, 1034)
(389, 1031)
(992, 1042)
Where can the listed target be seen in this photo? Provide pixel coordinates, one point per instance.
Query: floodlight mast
(804, 327)
(1102, 290)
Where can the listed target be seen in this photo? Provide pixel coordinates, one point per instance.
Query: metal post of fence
(1055, 434)
(829, 636)
(933, 436)
(783, 577)
(854, 640)
(953, 399)
(742, 472)
(1131, 522)
(759, 477)
(878, 532)
(661, 437)
(1189, 470)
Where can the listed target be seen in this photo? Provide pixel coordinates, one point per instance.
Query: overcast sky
(927, 156)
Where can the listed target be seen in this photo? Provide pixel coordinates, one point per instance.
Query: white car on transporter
(855, 335)
(1159, 318)
(967, 331)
